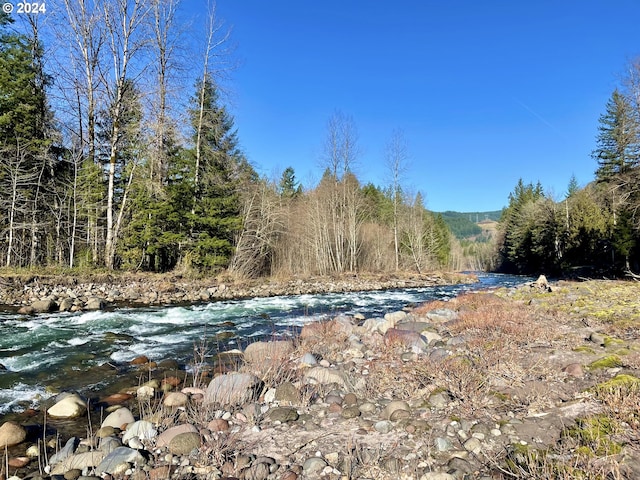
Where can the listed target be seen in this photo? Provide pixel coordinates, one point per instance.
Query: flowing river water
(47, 353)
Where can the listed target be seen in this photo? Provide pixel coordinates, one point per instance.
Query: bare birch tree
(164, 46)
(82, 31)
(216, 37)
(396, 156)
(344, 205)
(19, 179)
(124, 20)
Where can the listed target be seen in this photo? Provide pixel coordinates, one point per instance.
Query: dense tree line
(595, 229)
(106, 165)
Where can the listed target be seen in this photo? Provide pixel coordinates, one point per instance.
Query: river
(52, 352)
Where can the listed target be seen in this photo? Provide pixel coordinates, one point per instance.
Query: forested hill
(465, 224)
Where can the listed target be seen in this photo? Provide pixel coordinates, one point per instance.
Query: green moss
(621, 381)
(594, 433)
(584, 452)
(610, 361)
(584, 349)
(623, 351)
(609, 341)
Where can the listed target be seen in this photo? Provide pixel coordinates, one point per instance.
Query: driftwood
(630, 274)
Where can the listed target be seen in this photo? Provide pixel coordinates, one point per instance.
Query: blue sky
(486, 92)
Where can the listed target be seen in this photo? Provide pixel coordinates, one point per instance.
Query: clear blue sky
(486, 92)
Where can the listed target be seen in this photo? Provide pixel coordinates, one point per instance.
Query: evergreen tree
(618, 140)
(515, 244)
(573, 186)
(24, 113)
(222, 169)
(289, 187)
(157, 227)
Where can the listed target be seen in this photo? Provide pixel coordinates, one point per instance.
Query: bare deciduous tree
(396, 156)
(263, 223)
(19, 179)
(217, 36)
(124, 20)
(164, 45)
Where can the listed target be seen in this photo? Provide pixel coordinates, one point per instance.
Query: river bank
(522, 382)
(47, 293)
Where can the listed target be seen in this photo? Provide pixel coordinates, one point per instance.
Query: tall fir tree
(222, 169)
(288, 187)
(618, 140)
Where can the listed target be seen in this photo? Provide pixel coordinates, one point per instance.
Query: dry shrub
(433, 305)
(622, 401)
(325, 338)
(398, 380)
(523, 462)
(464, 378)
(488, 316)
(274, 373)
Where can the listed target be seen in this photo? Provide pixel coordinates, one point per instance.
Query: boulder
(233, 389)
(65, 305)
(308, 359)
(325, 376)
(283, 414)
(142, 430)
(395, 317)
(70, 406)
(430, 336)
(405, 338)
(140, 360)
(574, 370)
(313, 466)
(184, 443)
(44, 306)
(287, 394)
(218, 425)
(11, 434)
(66, 451)
(95, 303)
(119, 460)
(395, 406)
(275, 351)
(320, 330)
(414, 326)
(441, 315)
(379, 325)
(119, 419)
(175, 399)
(165, 438)
(79, 461)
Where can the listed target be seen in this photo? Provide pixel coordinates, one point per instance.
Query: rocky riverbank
(39, 294)
(533, 382)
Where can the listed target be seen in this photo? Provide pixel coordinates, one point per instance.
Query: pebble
(383, 426)
(313, 466)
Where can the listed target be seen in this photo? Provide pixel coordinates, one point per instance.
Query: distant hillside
(465, 225)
